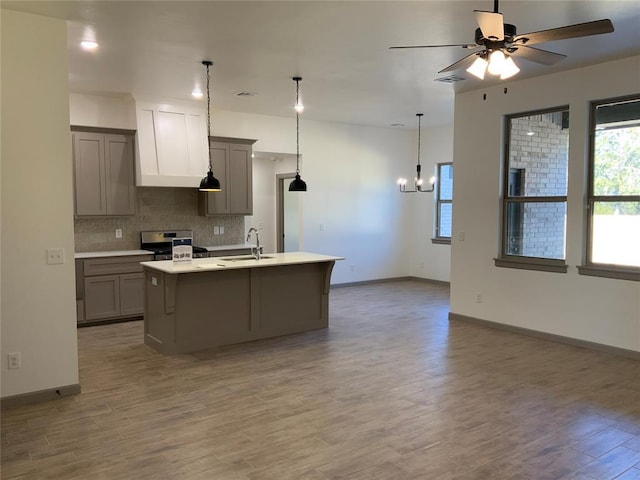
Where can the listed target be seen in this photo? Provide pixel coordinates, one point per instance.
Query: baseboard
(39, 396)
(548, 336)
(430, 280)
(387, 280)
(108, 321)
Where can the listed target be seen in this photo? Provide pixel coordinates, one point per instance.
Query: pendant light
(209, 183)
(298, 185)
(418, 181)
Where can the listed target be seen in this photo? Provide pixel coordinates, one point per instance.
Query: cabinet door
(218, 202)
(119, 173)
(102, 297)
(240, 180)
(131, 294)
(89, 173)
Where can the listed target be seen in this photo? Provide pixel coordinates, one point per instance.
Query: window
(444, 203)
(534, 205)
(613, 232)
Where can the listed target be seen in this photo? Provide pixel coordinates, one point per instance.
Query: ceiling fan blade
(597, 27)
(537, 55)
(462, 63)
(463, 45)
(491, 25)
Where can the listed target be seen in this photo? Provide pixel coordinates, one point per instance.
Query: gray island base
(213, 302)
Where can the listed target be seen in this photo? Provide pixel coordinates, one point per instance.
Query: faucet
(256, 252)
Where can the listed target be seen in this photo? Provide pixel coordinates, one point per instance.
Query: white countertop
(111, 253)
(211, 264)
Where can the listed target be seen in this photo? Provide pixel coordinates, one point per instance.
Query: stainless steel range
(159, 242)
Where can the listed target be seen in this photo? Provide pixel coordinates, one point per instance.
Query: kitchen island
(221, 301)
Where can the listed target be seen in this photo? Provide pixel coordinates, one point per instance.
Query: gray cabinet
(104, 178)
(232, 165)
(102, 297)
(110, 288)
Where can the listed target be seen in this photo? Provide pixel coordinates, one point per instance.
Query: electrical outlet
(14, 360)
(478, 297)
(221, 229)
(461, 236)
(55, 256)
(118, 233)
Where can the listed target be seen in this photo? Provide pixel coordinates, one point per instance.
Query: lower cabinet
(110, 296)
(113, 288)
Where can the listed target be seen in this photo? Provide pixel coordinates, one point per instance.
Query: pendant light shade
(297, 184)
(209, 183)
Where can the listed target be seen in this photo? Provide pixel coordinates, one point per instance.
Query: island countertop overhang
(217, 264)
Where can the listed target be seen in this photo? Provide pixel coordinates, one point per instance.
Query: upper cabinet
(103, 174)
(232, 165)
(172, 145)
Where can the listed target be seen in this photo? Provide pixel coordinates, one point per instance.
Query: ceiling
(339, 48)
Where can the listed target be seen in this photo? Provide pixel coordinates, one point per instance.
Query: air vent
(246, 94)
(450, 79)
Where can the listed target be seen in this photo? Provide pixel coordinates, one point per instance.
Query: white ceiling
(339, 48)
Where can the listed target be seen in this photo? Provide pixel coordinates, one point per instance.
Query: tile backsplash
(157, 208)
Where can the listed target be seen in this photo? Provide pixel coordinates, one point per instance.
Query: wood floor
(392, 390)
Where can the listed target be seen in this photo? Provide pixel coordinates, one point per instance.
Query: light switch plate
(55, 256)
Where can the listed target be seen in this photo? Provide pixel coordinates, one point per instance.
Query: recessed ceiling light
(89, 44)
(197, 93)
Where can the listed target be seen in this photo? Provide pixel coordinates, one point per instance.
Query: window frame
(504, 259)
(437, 238)
(589, 267)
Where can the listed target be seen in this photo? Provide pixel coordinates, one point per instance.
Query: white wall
(350, 172)
(595, 309)
(428, 260)
(107, 111)
(38, 300)
(266, 165)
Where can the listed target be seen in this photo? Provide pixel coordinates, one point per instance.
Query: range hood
(172, 143)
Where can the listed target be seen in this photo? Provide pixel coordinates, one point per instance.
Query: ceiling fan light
(509, 69)
(496, 62)
(478, 68)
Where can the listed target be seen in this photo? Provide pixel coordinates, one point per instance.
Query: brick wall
(543, 157)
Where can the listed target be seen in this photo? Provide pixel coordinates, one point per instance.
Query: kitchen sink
(244, 258)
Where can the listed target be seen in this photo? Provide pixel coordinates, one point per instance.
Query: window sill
(610, 271)
(441, 241)
(538, 264)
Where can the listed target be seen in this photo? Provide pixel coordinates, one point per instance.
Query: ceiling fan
(499, 42)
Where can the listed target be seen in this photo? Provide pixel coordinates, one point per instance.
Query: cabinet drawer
(114, 265)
